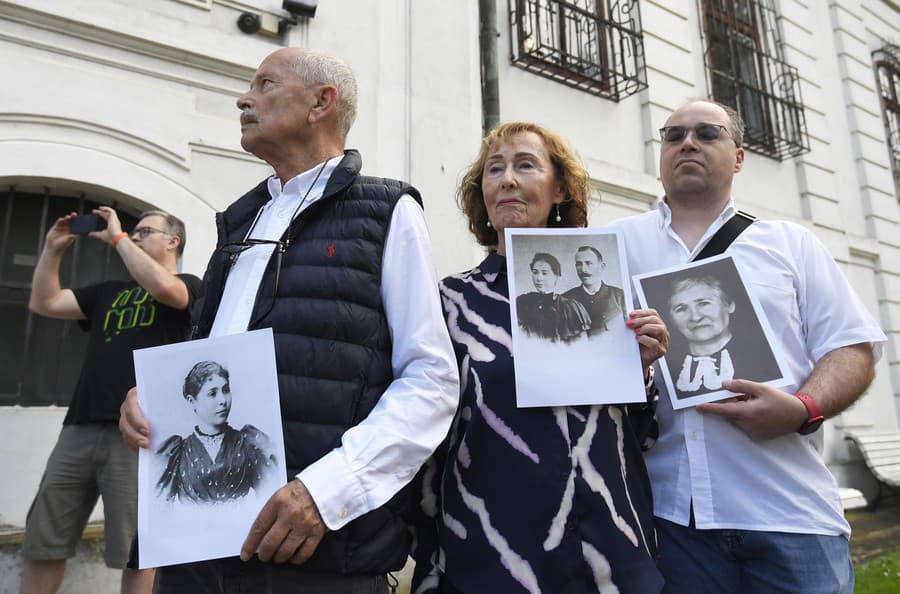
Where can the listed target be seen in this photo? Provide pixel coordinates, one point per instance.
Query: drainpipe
(490, 88)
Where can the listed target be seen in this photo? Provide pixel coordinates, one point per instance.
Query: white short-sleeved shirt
(782, 484)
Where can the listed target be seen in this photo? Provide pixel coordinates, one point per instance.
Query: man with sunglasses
(339, 266)
(89, 459)
(743, 499)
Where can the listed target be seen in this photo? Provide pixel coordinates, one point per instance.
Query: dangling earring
(558, 218)
(488, 224)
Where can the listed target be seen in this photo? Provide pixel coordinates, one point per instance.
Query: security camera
(304, 8)
(248, 23)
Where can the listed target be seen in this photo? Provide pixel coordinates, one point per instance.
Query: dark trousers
(233, 576)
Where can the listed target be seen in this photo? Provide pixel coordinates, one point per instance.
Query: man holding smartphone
(90, 459)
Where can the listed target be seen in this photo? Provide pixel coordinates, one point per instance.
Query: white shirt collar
(298, 184)
(665, 219)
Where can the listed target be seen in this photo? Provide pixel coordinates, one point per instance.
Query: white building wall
(134, 100)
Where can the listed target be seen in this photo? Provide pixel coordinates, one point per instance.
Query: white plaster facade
(134, 100)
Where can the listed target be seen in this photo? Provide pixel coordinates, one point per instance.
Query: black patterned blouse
(244, 460)
(552, 316)
(552, 500)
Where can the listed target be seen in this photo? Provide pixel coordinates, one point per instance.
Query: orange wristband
(118, 238)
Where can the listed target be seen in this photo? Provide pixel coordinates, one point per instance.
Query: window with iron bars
(40, 358)
(593, 45)
(747, 71)
(887, 77)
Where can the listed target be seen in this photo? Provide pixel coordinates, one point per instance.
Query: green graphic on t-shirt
(133, 308)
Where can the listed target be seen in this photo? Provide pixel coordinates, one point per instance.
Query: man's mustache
(248, 116)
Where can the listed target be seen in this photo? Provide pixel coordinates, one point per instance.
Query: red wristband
(118, 238)
(814, 418)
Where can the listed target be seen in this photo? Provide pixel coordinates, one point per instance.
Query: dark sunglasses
(233, 250)
(702, 132)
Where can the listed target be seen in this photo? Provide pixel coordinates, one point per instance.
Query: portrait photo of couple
(554, 310)
(717, 331)
(216, 444)
(570, 298)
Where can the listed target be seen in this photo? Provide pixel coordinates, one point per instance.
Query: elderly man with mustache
(603, 301)
(339, 266)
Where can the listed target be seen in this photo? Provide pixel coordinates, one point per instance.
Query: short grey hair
(737, 123)
(712, 282)
(174, 224)
(318, 68)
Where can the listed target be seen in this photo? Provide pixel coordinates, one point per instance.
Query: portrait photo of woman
(718, 333)
(702, 310)
(215, 462)
(544, 312)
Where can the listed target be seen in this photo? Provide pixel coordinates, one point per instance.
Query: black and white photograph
(214, 462)
(717, 329)
(216, 438)
(570, 298)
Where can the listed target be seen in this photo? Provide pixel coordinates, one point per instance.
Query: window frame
(886, 62)
(541, 36)
(747, 71)
(31, 382)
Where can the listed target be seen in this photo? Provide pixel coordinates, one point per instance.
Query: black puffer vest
(332, 341)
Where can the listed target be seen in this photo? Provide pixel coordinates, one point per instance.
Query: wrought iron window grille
(887, 77)
(592, 45)
(746, 70)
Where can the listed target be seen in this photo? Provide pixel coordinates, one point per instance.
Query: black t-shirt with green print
(121, 317)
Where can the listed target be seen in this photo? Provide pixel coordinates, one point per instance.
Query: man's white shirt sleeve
(833, 315)
(381, 454)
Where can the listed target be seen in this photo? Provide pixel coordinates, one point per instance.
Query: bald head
(735, 121)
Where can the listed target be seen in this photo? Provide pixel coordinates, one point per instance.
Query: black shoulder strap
(727, 233)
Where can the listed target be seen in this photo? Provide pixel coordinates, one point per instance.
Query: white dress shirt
(782, 484)
(381, 454)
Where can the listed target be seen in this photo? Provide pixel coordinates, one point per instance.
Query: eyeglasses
(702, 132)
(144, 232)
(233, 250)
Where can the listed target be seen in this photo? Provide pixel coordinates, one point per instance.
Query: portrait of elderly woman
(547, 498)
(713, 343)
(215, 462)
(544, 312)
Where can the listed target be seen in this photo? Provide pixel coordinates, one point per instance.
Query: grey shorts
(87, 462)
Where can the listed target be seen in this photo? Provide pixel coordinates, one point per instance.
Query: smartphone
(84, 224)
